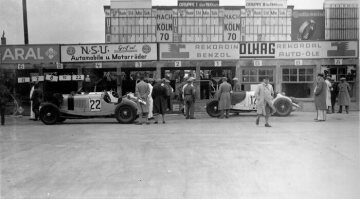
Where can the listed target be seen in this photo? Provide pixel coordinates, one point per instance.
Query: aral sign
(108, 52)
(34, 54)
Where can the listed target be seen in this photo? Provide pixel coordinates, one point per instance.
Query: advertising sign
(299, 50)
(308, 25)
(108, 52)
(34, 54)
(232, 25)
(199, 51)
(266, 4)
(198, 3)
(164, 26)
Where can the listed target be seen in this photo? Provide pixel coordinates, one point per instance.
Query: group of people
(326, 92)
(154, 100)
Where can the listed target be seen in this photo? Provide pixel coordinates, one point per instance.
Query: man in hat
(224, 98)
(344, 97)
(170, 91)
(328, 93)
(189, 98)
(150, 81)
(159, 95)
(237, 85)
(320, 98)
(264, 95)
(4, 99)
(142, 91)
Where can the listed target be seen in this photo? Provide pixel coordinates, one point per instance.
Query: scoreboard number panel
(164, 26)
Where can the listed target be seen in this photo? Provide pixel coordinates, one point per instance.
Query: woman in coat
(344, 97)
(320, 98)
(159, 95)
(224, 97)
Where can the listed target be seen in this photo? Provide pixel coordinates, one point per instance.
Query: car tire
(61, 119)
(283, 107)
(125, 114)
(49, 114)
(212, 109)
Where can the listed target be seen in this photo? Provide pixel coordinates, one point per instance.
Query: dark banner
(308, 25)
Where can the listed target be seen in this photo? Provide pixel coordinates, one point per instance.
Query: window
(254, 76)
(298, 82)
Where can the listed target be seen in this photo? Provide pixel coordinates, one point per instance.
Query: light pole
(26, 33)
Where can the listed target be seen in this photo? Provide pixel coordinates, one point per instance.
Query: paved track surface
(206, 158)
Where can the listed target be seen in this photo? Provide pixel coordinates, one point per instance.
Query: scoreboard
(198, 21)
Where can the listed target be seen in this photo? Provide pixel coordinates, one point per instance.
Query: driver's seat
(237, 97)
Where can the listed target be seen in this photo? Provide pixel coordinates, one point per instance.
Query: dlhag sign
(34, 54)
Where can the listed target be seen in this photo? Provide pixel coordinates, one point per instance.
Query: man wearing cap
(328, 93)
(344, 97)
(224, 98)
(159, 95)
(189, 98)
(237, 85)
(320, 98)
(170, 90)
(142, 91)
(264, 95)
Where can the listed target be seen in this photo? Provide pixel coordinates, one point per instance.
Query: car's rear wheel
(212, 109)
(49, 114)
(125, 114)
(283, 107)
(61, 119)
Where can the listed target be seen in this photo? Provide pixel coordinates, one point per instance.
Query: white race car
(245, 101)
(90, 105)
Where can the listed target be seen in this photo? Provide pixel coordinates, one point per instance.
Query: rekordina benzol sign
(299, 50)
(199, 51)
(108, 52)
(32, 54)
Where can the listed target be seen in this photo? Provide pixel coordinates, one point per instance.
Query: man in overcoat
(36, 99)
(189, 98)
(225, 91)
(264, 95)
(142, 91)
(343, 97)
(4, 99)
(320, 98)
(159, 95)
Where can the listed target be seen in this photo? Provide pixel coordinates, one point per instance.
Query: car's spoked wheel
(125, 114)
(49, 114)
(212, 109)
(283, 107)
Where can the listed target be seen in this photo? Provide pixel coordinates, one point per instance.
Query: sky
(78, 21)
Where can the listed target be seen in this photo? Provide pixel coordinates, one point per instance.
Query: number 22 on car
(94, 104)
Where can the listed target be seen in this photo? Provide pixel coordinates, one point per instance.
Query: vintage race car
(245, 101)
(89, 105)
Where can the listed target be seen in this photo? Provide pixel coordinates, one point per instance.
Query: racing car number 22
(95, 105)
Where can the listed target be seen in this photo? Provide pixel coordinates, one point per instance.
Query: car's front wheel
(212, 109)
(125, 114)
(283, 107)
(49, 114)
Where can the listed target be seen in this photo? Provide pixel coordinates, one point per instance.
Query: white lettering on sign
(21, 54)
(98, 65)
(138, 64)
(59, 65)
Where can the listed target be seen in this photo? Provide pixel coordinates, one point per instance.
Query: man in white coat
(32, 114)
(328, 94)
